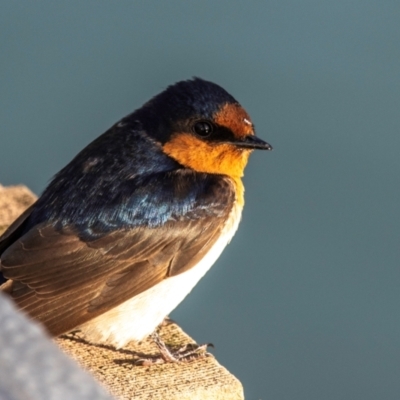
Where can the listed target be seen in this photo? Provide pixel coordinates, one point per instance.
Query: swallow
(124, 232)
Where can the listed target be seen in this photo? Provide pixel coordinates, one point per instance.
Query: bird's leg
(185, 353)
(166, 353)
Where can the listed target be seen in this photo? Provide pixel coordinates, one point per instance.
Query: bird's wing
(64, 278)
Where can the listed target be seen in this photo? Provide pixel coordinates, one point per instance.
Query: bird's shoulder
(124, 177)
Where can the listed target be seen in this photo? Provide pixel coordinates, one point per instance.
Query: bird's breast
(136, 318)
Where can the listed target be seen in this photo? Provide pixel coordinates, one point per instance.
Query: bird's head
(202, 127)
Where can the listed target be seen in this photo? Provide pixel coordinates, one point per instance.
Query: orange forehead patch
(235, 118)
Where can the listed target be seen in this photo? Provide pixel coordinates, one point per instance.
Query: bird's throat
(209, 158)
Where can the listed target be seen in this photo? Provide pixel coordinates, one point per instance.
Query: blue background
(304, 303)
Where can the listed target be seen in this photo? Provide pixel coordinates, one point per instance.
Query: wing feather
(63, 279)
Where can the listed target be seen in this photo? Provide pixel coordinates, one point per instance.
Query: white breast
(138, 317)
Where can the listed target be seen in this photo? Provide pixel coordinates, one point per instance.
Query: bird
(124, 231)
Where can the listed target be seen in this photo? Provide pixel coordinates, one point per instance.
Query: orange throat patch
(213, 158)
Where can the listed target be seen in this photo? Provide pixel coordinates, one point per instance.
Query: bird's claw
(188, 352)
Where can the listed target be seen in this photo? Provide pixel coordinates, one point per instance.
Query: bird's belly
(138, 317)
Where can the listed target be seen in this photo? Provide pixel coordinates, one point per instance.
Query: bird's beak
(252, 142)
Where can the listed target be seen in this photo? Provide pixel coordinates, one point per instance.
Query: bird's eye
(203, 128)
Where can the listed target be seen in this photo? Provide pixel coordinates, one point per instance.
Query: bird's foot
(187, 352)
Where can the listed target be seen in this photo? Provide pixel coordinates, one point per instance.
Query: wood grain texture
(203, 378)
(14, 200)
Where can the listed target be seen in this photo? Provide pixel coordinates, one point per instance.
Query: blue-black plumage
(127, 228)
